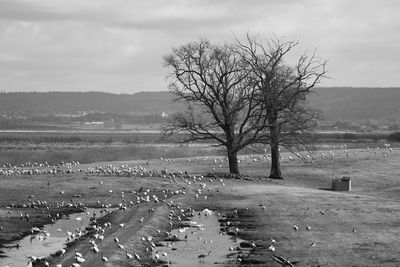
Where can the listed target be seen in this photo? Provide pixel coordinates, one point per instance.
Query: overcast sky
(117, 45)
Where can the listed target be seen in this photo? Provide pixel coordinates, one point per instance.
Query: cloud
(114, 45)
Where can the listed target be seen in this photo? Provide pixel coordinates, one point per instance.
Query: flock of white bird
(45, 168)
(97, 232)
(144, 196)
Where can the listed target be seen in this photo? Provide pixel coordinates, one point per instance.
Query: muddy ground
(298, 216)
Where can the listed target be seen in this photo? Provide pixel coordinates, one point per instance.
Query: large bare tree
(283, 89)
(213, 82)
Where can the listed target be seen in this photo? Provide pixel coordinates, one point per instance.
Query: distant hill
(78, 102)
(335, 103)
(340, 103)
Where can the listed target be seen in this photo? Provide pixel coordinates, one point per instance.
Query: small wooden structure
(341, 184)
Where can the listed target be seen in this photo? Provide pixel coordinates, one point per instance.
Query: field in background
(97, 146)
(362, 226)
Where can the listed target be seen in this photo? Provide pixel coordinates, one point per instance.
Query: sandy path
(129, 236)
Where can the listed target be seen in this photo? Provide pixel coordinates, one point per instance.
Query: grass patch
(104, 153)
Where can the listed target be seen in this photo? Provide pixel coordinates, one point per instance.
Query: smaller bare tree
(283, 90)
(213, 82)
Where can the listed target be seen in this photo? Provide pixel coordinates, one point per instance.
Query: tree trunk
(233, 162)
(275, 162)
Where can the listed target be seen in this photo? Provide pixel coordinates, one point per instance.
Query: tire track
(129, 236)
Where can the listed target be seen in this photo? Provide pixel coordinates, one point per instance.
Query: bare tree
(213, 82)
(283, 90)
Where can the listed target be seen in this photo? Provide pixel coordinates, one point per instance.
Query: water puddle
(203, 237)
(50, 239)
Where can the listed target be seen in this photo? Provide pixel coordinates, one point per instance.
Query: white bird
(104, 258)
(137, 257)
(129, 256)
(80, 259)
(95, 249)
(156, 257)
(62, 252)
(116, 240)
(78, 254)
(295, 227)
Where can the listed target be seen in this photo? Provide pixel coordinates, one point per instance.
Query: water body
(42, 245)
(202, 237)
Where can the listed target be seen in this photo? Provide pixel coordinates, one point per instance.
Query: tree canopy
(213, 82)
(241, 94)
(283, 89)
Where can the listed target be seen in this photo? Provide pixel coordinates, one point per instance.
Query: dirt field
(298, 216)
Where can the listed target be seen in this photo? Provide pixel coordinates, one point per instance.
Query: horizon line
(160, 91)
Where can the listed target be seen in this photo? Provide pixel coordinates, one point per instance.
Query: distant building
(95, 123)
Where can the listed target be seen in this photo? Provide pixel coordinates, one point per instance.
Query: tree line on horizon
(356, 105)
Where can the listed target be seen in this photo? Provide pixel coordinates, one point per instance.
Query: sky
(117, 46)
